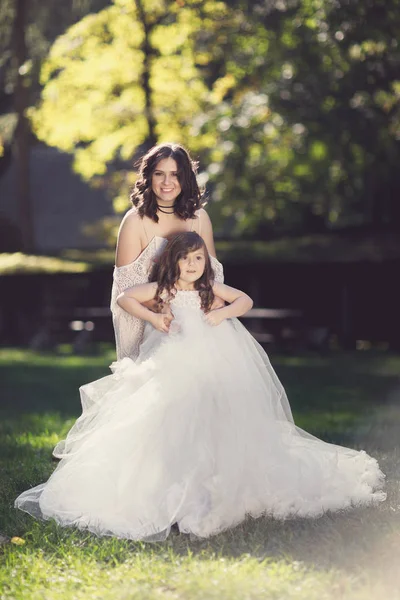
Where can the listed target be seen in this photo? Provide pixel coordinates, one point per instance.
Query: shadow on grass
(43, 388)
(327, 394)
(345, 399)
(340, 398)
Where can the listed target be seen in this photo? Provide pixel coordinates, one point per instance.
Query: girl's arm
(238, 304)
(132, 299)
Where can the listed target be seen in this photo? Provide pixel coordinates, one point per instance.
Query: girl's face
(191, 267)
(164, 182)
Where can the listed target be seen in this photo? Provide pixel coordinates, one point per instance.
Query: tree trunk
(22, 133)
(148, 52)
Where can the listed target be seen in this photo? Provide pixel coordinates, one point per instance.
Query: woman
(166, 200)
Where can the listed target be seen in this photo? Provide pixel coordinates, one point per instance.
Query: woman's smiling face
(165, 182)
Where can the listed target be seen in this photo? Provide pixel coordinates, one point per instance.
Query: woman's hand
(217, 303)
(161, 321)
(214, 317)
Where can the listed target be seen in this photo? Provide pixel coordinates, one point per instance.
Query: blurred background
(291, 108)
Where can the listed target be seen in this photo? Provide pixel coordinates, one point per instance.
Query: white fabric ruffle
(198, 431)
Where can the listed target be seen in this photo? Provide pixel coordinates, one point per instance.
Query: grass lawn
(353, 399)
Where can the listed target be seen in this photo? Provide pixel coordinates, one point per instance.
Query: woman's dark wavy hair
(166, 271)
(190, 198)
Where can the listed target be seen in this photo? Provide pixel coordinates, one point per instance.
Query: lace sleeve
(218, 270)
(128, 330)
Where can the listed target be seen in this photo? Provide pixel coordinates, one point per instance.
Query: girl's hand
(214, 317)
(161, 322)
(217, 303)
(166, 310)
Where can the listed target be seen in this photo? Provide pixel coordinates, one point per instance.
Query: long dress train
(197, 431)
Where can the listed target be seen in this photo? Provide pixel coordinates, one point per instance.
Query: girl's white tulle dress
(198, 432)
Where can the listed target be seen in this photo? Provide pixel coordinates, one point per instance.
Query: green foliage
(95, 76)
(329, 145)
(45, 20)
(293, 106)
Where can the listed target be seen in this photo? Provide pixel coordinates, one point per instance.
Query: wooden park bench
(281, 328)
(74, 325)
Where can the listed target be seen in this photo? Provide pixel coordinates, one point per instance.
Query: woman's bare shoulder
(201, 213)
(129, 242)
(203, 217)
(131, 219)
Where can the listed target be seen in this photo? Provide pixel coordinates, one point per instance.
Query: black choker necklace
(166, 212)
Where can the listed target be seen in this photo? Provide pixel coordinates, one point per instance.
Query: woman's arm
(132, 300)
(129, 243)
(238, 304)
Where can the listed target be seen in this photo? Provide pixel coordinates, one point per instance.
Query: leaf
(17, 541)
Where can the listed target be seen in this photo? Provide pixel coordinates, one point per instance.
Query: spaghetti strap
(193, 228)
(145, 232)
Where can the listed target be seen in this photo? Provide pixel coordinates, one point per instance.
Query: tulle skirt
(198, 432)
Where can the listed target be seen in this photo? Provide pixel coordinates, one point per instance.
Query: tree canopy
(291, 106)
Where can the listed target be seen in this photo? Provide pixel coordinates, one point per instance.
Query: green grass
(351, 399)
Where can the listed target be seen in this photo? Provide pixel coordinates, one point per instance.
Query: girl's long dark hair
(190, 198)
(166, 271)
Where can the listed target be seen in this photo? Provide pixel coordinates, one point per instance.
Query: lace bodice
(186, 299)
(129, 330)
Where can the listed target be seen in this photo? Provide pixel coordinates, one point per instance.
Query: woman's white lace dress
(197, 431)
(129, 330)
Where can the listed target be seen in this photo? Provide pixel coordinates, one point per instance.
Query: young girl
(198, 430)
(166, 200)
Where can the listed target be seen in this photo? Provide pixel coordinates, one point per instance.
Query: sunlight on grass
(37, 441)
(120, 570)
(15, 356)
(351, 555)
(17, 262)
